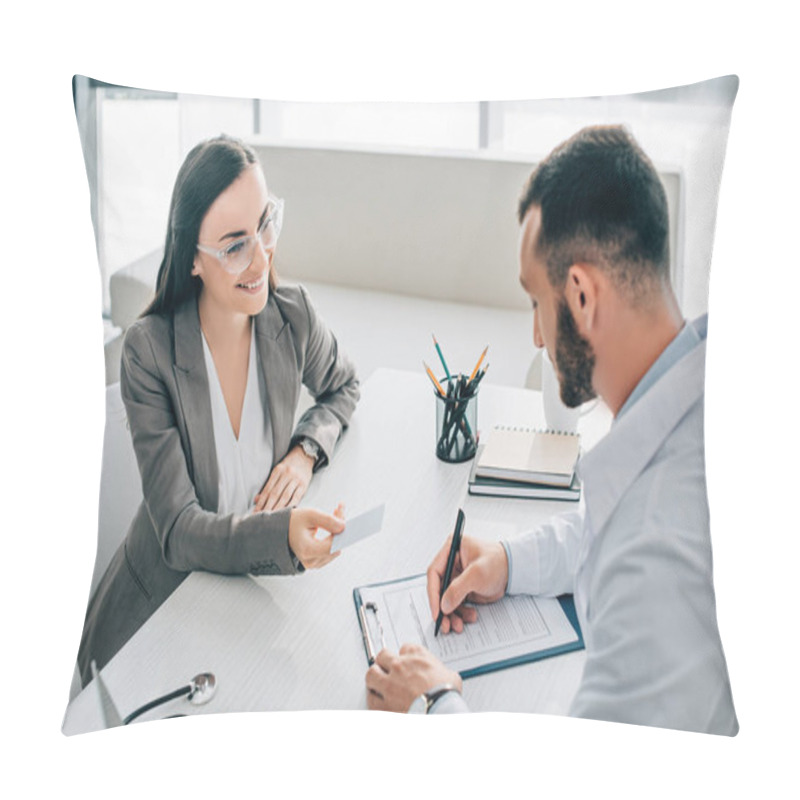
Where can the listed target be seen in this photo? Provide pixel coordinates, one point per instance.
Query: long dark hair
(208, 170)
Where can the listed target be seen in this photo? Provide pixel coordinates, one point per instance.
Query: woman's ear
(581, 294)
(196, 268)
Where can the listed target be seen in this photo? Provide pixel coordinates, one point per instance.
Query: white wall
(420, 224)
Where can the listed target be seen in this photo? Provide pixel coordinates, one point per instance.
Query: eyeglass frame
(222, 254)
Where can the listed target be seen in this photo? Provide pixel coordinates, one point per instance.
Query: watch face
(309, 448)
(425, 701)
(418, 706)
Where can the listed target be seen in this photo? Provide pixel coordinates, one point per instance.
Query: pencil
(475, 371)
(441, 357)
(473, 384)
(433, 378)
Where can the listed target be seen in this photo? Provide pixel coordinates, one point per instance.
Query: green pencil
(441, 357)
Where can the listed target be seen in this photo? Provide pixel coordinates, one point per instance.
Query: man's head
(594, 219)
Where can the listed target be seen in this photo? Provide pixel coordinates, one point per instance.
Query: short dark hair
(207, 171)
(601, 201)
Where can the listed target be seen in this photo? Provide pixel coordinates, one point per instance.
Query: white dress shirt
(243, 464)
(638, 560)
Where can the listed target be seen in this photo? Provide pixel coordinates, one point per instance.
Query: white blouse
(244, 463)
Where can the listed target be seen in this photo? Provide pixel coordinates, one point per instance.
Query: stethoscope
(199, 691)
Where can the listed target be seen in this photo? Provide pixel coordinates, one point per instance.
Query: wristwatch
(310, 448)
(424, 703)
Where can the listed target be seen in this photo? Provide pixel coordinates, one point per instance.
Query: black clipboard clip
(362, 613)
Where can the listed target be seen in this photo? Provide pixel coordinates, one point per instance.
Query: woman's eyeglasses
(238, 255)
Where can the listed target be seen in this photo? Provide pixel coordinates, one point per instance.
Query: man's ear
(581, 293)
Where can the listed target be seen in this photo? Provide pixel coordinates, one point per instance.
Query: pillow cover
(397, 226)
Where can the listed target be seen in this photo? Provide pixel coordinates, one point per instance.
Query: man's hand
(480, 575)
(287, 483)
(394, 681)
(303, 526)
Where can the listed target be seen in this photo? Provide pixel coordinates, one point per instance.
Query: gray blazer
(177, 529)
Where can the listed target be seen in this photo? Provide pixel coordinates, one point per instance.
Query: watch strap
(432, 696)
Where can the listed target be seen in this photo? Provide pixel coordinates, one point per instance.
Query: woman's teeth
(253, 285)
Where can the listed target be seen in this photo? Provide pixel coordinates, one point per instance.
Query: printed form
(514, 626)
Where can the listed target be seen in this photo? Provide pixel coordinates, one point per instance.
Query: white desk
(285, 643)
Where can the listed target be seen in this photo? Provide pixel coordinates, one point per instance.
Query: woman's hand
(303, 526)
(287, 482)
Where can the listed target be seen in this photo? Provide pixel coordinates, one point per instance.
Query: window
(425, 126)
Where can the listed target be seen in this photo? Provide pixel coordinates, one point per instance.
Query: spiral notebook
(497, 487)
(529, 455)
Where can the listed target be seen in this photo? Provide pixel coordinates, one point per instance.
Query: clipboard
(377, 627)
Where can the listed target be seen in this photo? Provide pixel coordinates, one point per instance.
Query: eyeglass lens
(239, 255)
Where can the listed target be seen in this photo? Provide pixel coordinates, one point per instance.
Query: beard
(574, 360)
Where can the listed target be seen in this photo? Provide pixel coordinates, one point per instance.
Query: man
(594, 259)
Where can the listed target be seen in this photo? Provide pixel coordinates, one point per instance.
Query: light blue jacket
(638, 559)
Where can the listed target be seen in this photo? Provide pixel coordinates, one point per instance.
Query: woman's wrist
(296, 562)
(309, 449)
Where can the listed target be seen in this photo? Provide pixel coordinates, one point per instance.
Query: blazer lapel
(191, 379)
(278, 361)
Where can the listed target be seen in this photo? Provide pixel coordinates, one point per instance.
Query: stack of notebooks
(520, 462)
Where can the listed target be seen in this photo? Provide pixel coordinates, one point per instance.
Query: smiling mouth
(252, 284)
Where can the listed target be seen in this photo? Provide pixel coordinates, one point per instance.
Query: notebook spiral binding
(522, 429)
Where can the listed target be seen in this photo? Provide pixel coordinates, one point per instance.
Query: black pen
(448, 570)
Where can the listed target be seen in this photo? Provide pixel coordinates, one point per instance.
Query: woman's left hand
(287, 482)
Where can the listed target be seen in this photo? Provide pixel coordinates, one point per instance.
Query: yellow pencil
(475, 371)
(433, 378)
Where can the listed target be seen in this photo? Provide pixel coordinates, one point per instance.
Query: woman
(210, 377)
